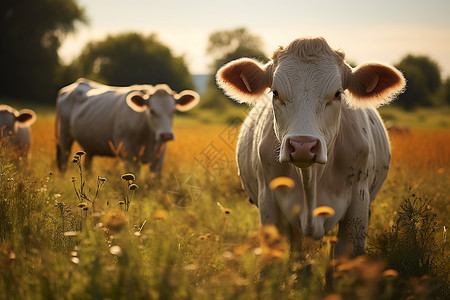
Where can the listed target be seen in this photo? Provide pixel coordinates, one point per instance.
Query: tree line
(33, 31)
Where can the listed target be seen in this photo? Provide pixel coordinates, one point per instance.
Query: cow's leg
(269, 213)
(88, 161)
(353, 228)
(63, 147)
(157, 163)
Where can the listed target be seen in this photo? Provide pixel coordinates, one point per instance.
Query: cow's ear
(137, 101)
(186, 100)
(244, 79)
(373, 84)
(26, 117)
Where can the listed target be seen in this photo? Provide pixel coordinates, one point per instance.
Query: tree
(223, 47)
(446, 91)
(423, 80)
(31, 33)
(131, 58)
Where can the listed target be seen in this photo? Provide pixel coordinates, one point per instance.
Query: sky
(382, 30)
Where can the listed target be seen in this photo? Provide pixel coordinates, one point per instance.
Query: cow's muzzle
(302, 151)
(165, 137)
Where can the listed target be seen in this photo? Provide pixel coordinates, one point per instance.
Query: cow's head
(11, 120)
(309, 81)
(160, 104)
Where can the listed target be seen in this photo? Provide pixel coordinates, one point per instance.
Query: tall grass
(191, 233)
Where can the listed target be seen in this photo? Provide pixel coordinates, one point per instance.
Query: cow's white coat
(132, 122)
(15, 128)
(348, 153)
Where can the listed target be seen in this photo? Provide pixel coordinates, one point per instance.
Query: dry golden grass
(209, 249)
(422, 150)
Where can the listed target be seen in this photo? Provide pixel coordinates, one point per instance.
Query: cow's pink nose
(303, 149)
(167, 136)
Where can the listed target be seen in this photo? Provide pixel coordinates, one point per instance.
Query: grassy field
(192, 234)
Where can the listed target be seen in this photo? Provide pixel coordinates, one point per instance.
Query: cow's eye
(275, 93)
(275, 97)
(337, 96)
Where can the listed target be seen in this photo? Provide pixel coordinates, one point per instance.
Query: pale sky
(382, 30)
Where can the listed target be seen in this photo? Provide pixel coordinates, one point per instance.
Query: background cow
(133, 122)
(15, 128)
(321, 130)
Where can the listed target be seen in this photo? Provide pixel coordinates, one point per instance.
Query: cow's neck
(309, 179)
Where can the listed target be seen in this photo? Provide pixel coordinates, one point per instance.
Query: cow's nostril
(315, 148)
(303, 149)
(291, 147)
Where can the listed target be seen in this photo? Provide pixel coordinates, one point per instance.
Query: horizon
(386, 32)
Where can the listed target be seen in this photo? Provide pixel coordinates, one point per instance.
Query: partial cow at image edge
(15, 131)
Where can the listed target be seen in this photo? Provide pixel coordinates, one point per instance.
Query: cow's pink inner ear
(137, 102)
(187, 100)
(244, 75)
(372, 80)
(26, 117)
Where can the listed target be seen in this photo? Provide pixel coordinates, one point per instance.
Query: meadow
(192, 234)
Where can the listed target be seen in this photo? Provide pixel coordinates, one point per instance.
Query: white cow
(15, 128)
(320, 129)
(132, 122)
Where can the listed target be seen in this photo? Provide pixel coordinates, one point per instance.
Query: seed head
(390, 273)
(281, 181)
(324, 211)
(133, 187)
(75, 260)
(102, 179)
(227, 211)
(80, 153)
(116, 250)
(128, 177)
(82, 205)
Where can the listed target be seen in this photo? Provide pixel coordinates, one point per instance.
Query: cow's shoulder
(361, 151)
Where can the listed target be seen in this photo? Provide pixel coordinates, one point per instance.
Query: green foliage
(131, 58)
(422, 118)
(410, 247)
(32, 32)
(444, 93)
(223, 47)
(227, 45)
(423, 80)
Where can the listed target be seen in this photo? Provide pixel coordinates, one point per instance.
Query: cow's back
(96, 115)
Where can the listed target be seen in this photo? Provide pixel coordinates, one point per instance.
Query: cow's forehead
(307, 60)
(6, 116)
(294, 74)
(162, 102)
